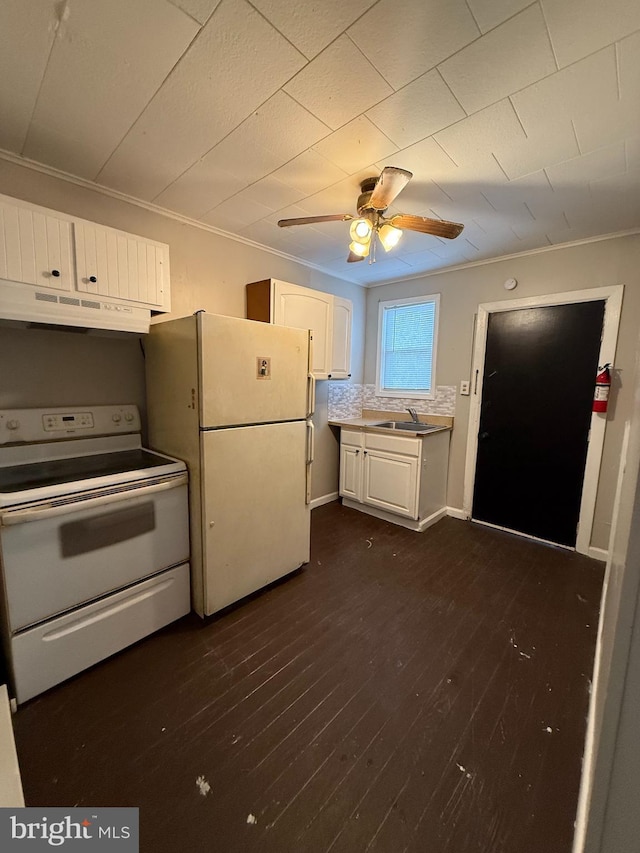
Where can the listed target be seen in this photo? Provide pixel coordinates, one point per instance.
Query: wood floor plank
(395, 695)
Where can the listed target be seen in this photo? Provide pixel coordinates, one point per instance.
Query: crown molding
(35, 166)
(540, 251)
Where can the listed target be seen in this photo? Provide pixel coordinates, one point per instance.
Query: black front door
(539, 376)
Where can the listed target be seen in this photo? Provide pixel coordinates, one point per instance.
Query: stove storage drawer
(54, 651)
(58, 557)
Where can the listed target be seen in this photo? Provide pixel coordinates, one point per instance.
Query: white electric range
(94, 539)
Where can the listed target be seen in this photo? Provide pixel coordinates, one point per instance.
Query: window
(407, 333)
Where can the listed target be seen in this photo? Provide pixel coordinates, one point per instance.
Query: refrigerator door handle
(310, 450)
(311, 394)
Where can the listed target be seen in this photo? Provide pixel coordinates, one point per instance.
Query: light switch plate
(464, 388)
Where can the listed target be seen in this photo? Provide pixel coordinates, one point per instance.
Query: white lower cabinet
(390, 482)
(400, 478)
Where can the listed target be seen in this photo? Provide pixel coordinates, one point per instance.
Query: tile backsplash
(347, 400)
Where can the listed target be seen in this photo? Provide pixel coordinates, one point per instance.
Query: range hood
(43, 305)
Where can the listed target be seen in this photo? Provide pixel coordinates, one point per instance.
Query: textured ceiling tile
(329, 19)
(235, 212)
(510, 196)
(424, 260)
(405, 38)
(338, 71)
(463, 209)
(618, 117)
(424, 159)
(272, 193)
(309, 173)
(580, 27)
(582, 89)
(219, 82)
(474, 137)
(416, 111)
(546, 146)
(27, 31)
(603, 163)
(523, 46)
(86, 103)
(199, 189)
(199, 10)
(492, 13)
(258, 145)
(355, 145)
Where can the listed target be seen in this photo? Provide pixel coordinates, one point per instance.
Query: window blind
(407, 347)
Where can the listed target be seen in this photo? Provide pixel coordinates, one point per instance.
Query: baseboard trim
(324, 499)
(598, 554)
(454, 512)
(431, 519)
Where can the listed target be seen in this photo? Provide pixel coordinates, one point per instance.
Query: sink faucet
(414, 415)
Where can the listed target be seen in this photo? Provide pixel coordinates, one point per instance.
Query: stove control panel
(67, 421)
(34, 425)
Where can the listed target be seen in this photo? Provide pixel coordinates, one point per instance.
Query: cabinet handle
(55, 273)
(93, 278)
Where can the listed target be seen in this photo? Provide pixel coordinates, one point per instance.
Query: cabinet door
(35, 248)
(391, 482)
(304, 308)
(351, 472)
(341, 352)
(122, 266)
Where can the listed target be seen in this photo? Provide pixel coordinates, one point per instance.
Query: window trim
(407, 393)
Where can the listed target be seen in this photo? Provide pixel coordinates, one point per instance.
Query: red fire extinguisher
(601, 393)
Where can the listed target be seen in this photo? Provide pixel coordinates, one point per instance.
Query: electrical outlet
(464, 388)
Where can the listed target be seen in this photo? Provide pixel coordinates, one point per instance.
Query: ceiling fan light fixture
(360, 230)
(361, 249)
(389, 236)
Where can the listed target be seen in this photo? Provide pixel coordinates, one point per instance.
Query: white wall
(208, 271)
(594, 264)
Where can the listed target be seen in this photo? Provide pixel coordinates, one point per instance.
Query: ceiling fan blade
(437, 227)
(352, 258)
(309, 220)
(391, 181)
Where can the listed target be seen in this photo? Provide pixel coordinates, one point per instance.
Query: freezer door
(256, 523)
(251, 373)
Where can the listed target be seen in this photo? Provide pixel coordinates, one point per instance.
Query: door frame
(612, 297)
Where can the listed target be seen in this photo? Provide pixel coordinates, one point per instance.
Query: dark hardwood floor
(404, 692)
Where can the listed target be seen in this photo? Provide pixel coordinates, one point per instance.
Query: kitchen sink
(408, 426)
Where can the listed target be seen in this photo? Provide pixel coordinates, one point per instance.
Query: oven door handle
(73, 504)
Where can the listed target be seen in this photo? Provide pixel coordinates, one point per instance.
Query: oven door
(59, 555)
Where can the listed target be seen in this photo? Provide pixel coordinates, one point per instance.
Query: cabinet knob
(55, 273)
(365, 453)
(357, 452)
(93, 278)
(329, 375)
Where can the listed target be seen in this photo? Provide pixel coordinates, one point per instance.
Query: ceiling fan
(376, 194)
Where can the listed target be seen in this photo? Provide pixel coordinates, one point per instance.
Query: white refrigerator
(234, 399)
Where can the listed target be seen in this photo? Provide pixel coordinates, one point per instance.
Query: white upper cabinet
(53, 250)
(304, 308)
(341, 348)
(328, 317)
(35, 247)
(121, 266)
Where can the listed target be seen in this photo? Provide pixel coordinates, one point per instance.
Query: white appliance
(233, 398)
(93, 539)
